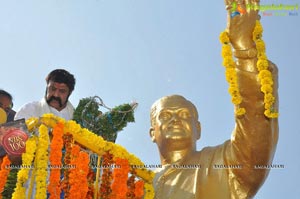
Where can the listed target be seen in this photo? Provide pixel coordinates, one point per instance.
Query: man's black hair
(62, 76)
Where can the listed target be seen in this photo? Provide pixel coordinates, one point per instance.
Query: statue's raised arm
(254, 138)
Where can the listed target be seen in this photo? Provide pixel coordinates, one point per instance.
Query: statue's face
(175, 120)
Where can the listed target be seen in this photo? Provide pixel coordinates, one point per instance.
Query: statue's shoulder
(211, 149)
(211, 153)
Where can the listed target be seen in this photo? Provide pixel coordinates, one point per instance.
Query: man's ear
(70, 93)
(152, 134)
(198, 130)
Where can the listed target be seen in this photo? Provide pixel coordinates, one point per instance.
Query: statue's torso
(198, 178)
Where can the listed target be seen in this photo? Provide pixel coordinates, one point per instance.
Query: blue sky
(141, 50)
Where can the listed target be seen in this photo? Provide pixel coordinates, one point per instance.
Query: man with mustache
(60, 85)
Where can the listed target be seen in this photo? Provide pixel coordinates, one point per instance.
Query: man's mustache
(58, 99)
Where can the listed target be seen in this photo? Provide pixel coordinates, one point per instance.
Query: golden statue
(229, 170)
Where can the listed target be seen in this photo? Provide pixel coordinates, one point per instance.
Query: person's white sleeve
(27, 111)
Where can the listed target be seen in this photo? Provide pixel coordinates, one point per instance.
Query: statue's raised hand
(242, 15)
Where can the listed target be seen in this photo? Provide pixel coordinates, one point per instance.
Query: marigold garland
(83, 168)
(74, 174)
(149, 191)
(105, 190)
(90, 178)
(10, 184)
(139, 189)
(68, 139)
(27, 158)
(41, 163)
(230, 73)
(4, 172)
(55, 158)
(131, 187)
(78, 173)
(264, 75)
(120, 174)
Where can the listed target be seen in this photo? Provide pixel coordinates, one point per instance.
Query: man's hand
(241, 18)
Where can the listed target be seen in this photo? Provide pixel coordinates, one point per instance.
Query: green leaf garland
(107, 124)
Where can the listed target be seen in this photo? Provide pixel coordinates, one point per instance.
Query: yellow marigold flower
(20, 193)
(262, 55)
(31, 123)
(269, 98)
(149, 193)
(266, 81)
(236, 100)
(49, 119)
(258, 30)
(274, 115)
(271, 114)
(108, 146)
(72, 126)
(266, 88)
(224, 39)
(262, 64)
(42, 161)
(118, 151)
(226, 51)
(147, 175)
(22, 175)
(31, 144)
(231, 77)
(233, 90)
(260, 45)
(264, 74)
(268, 105)
(228, 62)
(240, 111)
(134, 160)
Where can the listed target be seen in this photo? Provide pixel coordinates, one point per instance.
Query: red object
(14, 141)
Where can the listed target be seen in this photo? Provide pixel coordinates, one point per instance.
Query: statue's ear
(152, 134)
(198, 130)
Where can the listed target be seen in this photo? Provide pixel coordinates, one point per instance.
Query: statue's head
(174, 120)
